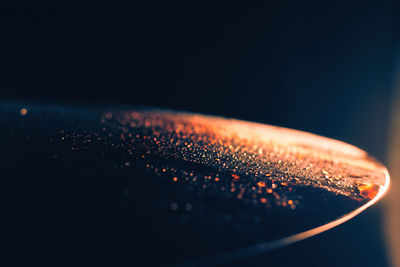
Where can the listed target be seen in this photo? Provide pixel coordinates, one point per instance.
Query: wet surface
(121, 185)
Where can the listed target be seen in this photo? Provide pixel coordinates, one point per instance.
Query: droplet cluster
(260, 164)
(184, 178)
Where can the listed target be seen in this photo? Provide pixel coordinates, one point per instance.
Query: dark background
(323, 67)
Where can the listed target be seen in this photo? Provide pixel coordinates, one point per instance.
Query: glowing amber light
(270, 151)
(247, 179)
(23, 111)
(235, 177)
(261, 184)
(266, 165)
(368, 190)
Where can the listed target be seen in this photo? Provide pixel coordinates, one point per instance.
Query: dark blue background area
(322, 67)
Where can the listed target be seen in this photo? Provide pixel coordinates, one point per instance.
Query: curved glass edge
(275, 244)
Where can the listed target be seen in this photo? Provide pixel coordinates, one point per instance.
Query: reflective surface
(126, 183)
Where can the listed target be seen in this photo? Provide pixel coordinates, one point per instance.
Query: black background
(323, 67)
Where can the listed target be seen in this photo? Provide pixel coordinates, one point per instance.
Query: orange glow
(368, 190)
(262, 248)
(240, 196)
(284, 157)
(235, 176)
(260, 155)
(23, 111)
(261, 184)
(175, 179)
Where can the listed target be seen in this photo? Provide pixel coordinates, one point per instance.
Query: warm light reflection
(368, 190)
(258, 249)
(263, 185)
(23, 111)
(268, 166)
(261, 151)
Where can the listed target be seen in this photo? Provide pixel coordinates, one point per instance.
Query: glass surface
(126, 184)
